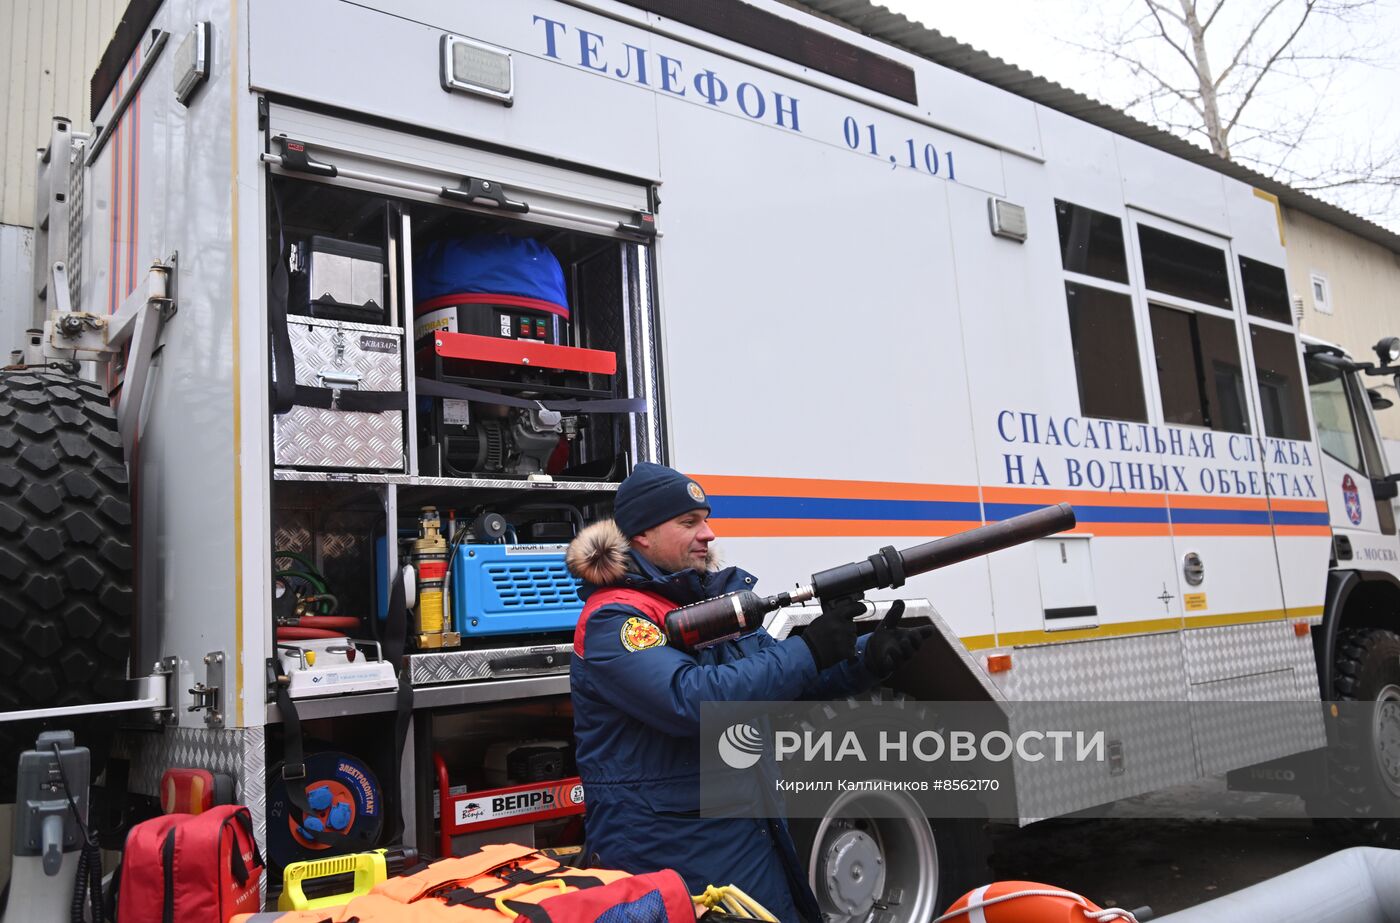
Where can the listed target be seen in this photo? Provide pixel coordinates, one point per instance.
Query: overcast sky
(1364, 100)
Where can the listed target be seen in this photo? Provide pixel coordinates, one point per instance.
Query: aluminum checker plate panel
(237, 752)
(1249, 650)
(309, 437)
(493, 663)
(1098, 671)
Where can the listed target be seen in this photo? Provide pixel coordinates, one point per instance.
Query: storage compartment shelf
(407, 480)
(486, 664)
(444, 696)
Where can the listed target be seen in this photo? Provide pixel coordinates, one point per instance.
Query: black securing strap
(236, 863)
(395, 642)
(350, 400)
(284, 374)
(294, 766)
(485, 900)
(428, 387)
(532, 912)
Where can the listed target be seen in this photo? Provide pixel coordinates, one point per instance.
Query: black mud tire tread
(1363, 659)
(65, 558)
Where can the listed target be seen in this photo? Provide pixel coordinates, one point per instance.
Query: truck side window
(1198, 368)
(1336, 428)
(1101, 326)
(1265, 291)
(1091, 243)
(1185, 268)
(1105, 353)
(1280, 385)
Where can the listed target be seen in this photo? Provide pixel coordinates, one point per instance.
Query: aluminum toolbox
(364, 357)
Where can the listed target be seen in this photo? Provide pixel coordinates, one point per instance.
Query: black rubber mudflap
(65, 558)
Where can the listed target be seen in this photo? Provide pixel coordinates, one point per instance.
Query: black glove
(832, 636)
(890, 646)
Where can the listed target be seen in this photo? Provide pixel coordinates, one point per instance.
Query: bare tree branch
(1213, 13)
(1264, 70)
(1157, 11)
(1277, 105)
(1247, 43)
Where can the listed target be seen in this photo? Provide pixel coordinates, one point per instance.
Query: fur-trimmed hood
(601, 556)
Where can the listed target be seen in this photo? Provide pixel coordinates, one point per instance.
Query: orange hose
(297, 633)
(338, 622)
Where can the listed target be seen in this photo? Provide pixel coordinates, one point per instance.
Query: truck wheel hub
(854, 870)
(1386, 734)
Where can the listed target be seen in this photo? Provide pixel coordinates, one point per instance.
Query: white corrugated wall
(48, 51)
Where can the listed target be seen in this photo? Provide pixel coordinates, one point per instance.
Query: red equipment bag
(656, 897)
(186, 867)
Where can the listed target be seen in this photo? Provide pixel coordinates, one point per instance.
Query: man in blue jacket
(637, 700)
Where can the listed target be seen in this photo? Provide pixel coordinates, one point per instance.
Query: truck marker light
(998, 663)
(1301, 629)
(469, 66)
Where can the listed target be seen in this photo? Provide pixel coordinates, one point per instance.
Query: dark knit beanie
(653, 494)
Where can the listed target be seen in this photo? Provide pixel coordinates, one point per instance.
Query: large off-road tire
(875, 855)
(65, 558)
(1363, 766)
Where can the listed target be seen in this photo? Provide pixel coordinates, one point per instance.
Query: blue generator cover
(515, 270)
(513, 589)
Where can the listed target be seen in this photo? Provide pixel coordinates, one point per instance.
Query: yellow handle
(732, 900)
(557, 883)
(368, 868)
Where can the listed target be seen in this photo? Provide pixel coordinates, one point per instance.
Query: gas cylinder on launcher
(430, 563)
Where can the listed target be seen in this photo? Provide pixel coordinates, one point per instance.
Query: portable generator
(492, 329)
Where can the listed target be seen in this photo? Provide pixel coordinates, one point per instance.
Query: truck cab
(1358, 644)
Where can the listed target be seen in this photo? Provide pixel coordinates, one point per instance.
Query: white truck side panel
(163, 187)
(318, 50)
(1164, 185)
(766, 328)
(948, 100)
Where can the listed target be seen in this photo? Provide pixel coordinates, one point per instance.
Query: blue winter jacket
(637, 725)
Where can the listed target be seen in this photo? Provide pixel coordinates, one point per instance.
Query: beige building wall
(1362, 287)
(48, 51)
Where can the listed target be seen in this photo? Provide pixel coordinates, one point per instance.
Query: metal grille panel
(533, 585)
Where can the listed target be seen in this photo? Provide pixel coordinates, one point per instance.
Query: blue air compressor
(512, 589)
(500, 589)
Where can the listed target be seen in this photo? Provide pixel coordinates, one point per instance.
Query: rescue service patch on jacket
(639, 634)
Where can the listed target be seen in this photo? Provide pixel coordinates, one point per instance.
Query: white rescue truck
(864, 299)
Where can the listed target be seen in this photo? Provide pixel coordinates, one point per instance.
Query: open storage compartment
(472, 338)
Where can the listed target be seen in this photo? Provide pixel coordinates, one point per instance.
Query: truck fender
(1341, 584)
